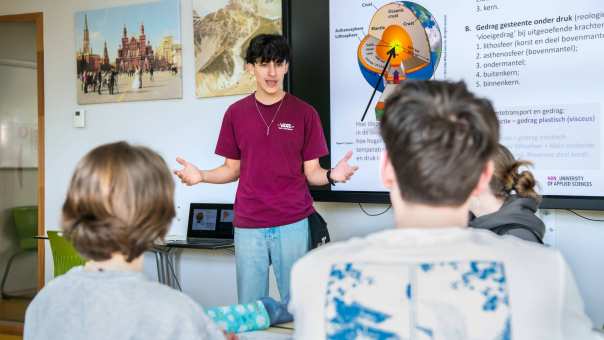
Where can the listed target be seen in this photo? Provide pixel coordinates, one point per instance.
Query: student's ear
(250, 68)
(286, 67)
(387, 171)
(485, 179)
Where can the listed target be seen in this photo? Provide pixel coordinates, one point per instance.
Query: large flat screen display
(540, 63)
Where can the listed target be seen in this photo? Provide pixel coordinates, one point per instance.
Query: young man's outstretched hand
(189, 174)
(343, 171)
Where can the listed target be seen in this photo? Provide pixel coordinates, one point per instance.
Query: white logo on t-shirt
(285, 126)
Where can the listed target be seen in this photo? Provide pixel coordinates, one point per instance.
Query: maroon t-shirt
(272, 187)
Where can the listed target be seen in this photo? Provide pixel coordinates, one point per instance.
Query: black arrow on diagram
(391, 54)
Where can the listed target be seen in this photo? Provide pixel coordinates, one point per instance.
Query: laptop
(210, 226)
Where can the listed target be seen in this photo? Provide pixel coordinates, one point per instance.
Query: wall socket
(79, 118)
(551, 229)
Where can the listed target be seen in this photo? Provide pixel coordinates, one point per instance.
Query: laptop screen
(210, 220)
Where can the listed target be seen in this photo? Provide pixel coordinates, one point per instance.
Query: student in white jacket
(431, 277)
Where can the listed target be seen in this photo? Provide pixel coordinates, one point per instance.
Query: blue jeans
(256, 249)
(277, 311)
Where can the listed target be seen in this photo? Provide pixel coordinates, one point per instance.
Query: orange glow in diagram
(397, 37)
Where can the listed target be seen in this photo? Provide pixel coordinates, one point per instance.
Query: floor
(13, 309)
(10, 337)
(12, 314)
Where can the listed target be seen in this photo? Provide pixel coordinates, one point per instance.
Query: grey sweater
(517, 215)
(114, 305)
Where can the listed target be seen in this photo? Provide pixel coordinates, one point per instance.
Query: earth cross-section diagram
(415, 36)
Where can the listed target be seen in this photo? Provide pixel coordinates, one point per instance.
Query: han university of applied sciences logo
(285, 126)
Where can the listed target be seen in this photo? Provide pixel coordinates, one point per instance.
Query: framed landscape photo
(222, 30)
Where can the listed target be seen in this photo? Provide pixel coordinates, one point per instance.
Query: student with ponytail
(509, 206)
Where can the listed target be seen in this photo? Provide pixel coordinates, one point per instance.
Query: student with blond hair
(119, 202)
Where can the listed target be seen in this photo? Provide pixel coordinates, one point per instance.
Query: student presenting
(271, 142)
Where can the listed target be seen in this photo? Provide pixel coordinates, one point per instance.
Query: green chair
(64, 255)
(26, 225)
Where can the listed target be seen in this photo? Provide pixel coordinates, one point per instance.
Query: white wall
(209, 276)
(186, 127)
(189, 128)
(581, 243)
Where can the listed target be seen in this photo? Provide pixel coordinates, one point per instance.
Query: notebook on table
(210, 226)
